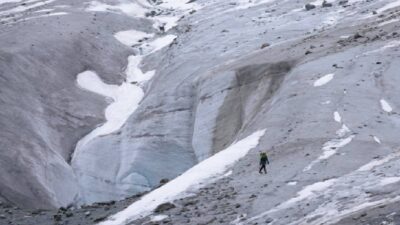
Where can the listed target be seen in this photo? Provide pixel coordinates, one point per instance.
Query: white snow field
(203, 173)
(324, 80)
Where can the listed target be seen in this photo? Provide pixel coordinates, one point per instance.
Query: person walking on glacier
(263, 161)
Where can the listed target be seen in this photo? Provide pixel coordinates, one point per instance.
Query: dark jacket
(264, 159)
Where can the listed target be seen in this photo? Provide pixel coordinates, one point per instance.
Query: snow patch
(158, 218)
(244, 4)
(44, 10)
(343, 131)
(388, 6)
(306, 192)
(386, 106)
(130, 9)
(141, 7)
(179, 4)
(337, 117)
(158, 44)
(9, 1)
(377, 140)
(131, 37)
(292, 183)
(23, 8)
(326, 102)
(389, 180)
(125, 99)
(388, 22)
(134, 74)
(324, 80)
(227, 174)
(331, 147)
(46, 15)
(90, 81)
(335, 198)
(206, 171)
(371, 165)
(389, 45)
(167, 22)
(332, 216)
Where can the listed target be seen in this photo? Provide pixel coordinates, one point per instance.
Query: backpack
(264, 156)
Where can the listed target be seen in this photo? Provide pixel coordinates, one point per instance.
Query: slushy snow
(324, 80)
(205, 172)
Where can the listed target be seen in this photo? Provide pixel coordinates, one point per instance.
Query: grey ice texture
(213, 85)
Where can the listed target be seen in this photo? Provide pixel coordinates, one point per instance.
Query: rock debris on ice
(203, 173)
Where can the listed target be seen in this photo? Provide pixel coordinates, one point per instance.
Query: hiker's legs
(262, 167)
(265, 169)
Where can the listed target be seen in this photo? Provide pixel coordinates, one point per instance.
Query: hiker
(263, 161)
